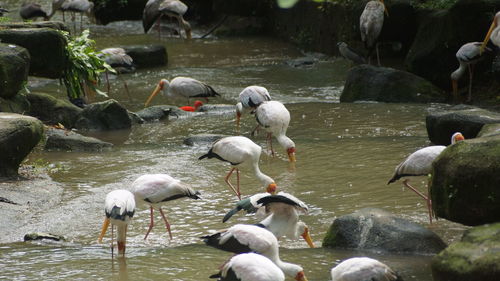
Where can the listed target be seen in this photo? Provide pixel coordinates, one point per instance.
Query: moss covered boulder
(14, 68)
(465, 186)
(147, 55)
(469, 121)
(17, 104)
(103, 116)
(370, 83)
(52, 110)
(489, 130)
(377, 230)
(19, 134)
(58, 139)
(46, 47)
(475, 258)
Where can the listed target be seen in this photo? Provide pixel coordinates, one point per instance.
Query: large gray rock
(475, 258)
(46, 46)
(17, 104)
(469, 121)
(106, 115)
(58, 25)
(147, 55)
(52, 110)
(370, 83)
(58, 139)
(19, 134)
(377, 230)
(14, 68)
(465, 184)
(161, 112)
(489, 130)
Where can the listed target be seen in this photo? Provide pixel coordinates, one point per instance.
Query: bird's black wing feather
(276, 199)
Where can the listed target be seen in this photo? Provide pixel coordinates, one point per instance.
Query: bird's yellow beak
(104, 229)
(487, 38)
(307, 237)
(153, 94)
(385, 8)
(459, 137)
(301, 276)
(271, 188)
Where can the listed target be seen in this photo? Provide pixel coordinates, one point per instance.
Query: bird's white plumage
(185, 87)
(122, 199)
(495, 34)
(153, 189)
(173, 6)
(81, 6)
(253, 96)
(275, 118)
(253, 267)
(362, 268)
(155, 9)
(371, 22)
(420, 162)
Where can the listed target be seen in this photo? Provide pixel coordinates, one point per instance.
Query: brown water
(345, 155)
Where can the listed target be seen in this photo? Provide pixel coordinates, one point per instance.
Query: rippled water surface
(345, 155)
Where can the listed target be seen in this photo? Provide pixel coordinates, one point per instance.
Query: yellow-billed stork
(155, 9)
(275, 118)
(245, 238)
(249, 267)
(30, 11)
(281, 212)
(157, 189)
(119, 208)
(249, 99)
(363, 268)
(182, 87)
(238, 150)
(119, 60)
(493, 33)
(370, 25)
(79, 6)
(419, 163)
(468, 55)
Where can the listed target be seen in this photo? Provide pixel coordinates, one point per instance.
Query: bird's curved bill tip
(307, 238)
(291, 157)
(153, 94)
(487, 37)
(104, 229)
(271, 188)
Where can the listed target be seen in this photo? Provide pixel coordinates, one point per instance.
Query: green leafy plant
(82, 74)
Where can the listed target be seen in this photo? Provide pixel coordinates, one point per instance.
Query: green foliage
(84, 66)
(5, 19)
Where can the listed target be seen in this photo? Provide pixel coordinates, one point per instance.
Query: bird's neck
(284, 141)
(264, 179)
(459, 72)
(289, 269)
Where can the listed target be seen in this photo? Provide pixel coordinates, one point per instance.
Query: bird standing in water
(182, 87)
(155, 9)
(370, 25)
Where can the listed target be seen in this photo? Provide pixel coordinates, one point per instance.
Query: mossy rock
(19, 134)
(475, 258)
(441, 125)
(17, 104)
(465, 185)
(52, 110)
(489, 130)
(14, 68)
(147, 55)
(46, 46)
(370, 83)
(103, 116)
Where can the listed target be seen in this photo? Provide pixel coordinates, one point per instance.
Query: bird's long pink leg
(238, 183)
(166, 223)
(426, 198)
(112, 246)
(471, 72)
(151, 223)
(229, 183)
(255, 130)
(270, 140)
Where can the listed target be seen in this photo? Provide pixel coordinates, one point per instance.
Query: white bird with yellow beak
(119, 208)
(249, 99)
(183, 87)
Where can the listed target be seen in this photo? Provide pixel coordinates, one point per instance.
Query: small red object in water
(191, 108)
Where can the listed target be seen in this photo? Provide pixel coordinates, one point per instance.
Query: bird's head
(457, 137)
(271, 188)
(197, 104)
(162, 85)
(301, 276)
(494, 24)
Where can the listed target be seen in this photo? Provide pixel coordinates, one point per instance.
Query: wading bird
(119, 208)
(155, 9)
(468, 55)
(157, 189)
(245, 238)
(350, 54)
(370, 25)
(78, 6)
(493, 33)
(120, 61)
(182, 87)
(249, 99)
(197, 105)
(30, 11)
(249, 267)
(274, 117)
(281, 213)
(238, 150)
(419, 163)
(363, 268)
(56, 6)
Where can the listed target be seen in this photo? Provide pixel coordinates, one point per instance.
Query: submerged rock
(52, 110)
(58, 139)
(106, 115)
(370, 83)
(14, 67)
(42, 236)
(469, 121)
(218, 108)
(19, 134)
(147, 55)
(17, 104)
(202, 139)
(475, 258)
(465, 184)
(161, 112)
(377, 230)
